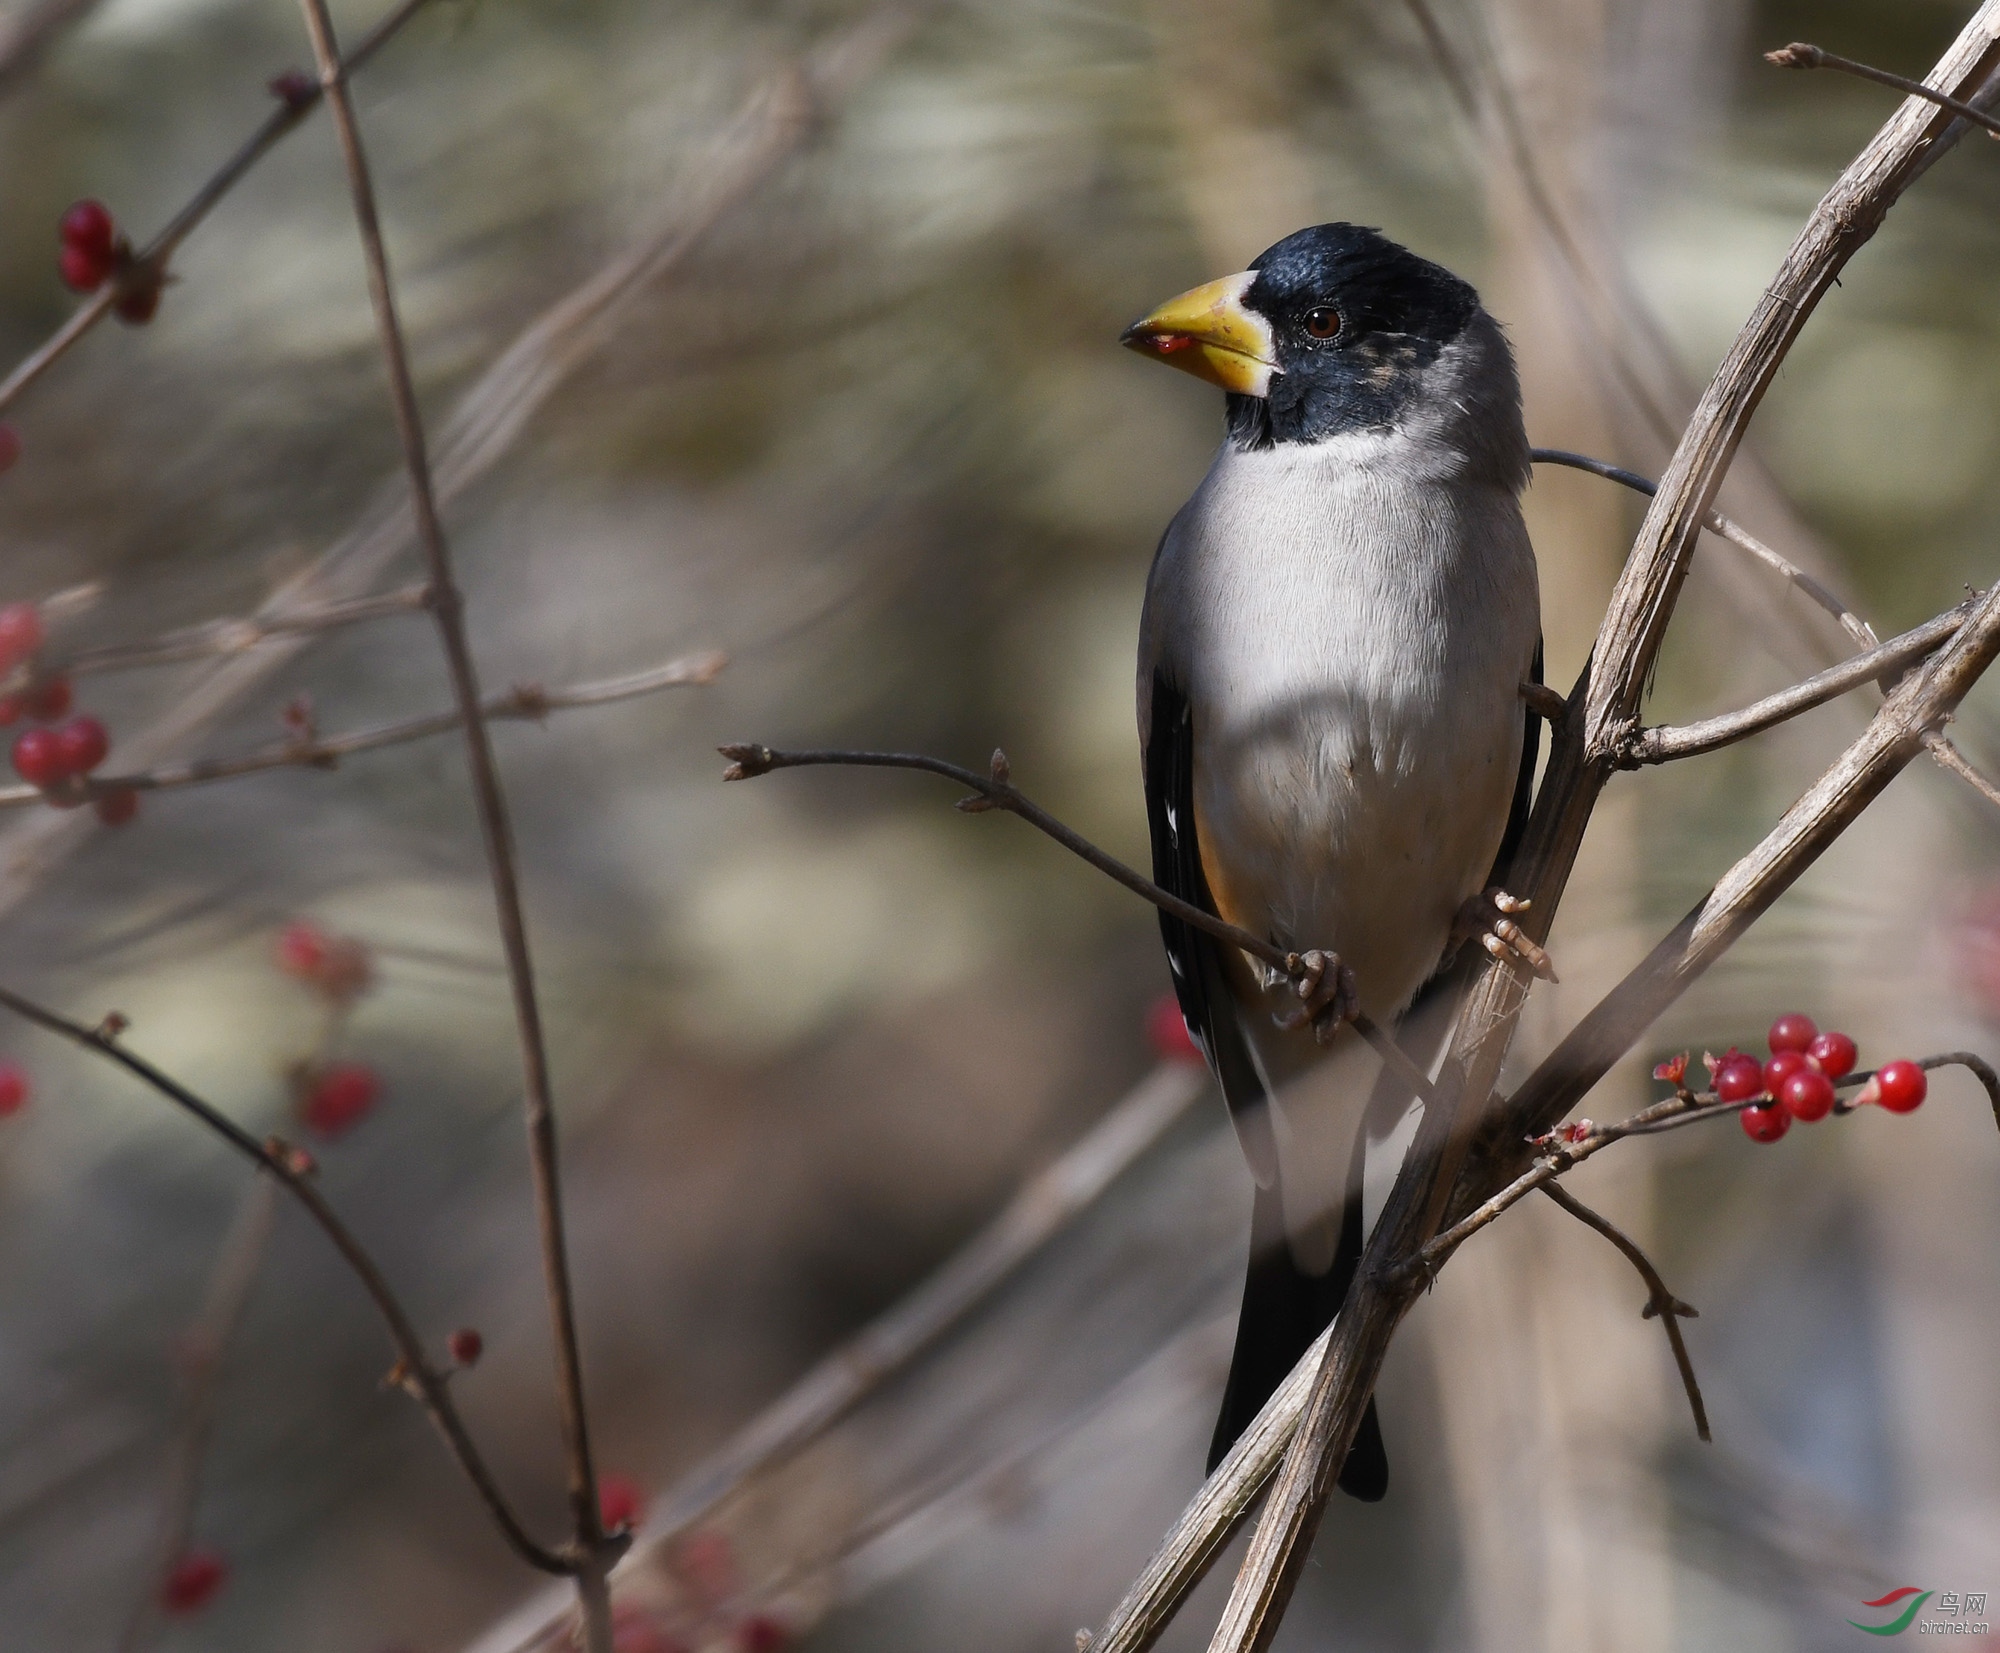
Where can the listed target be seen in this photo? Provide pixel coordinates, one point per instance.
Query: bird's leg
(1488, 917)
(1328, 996)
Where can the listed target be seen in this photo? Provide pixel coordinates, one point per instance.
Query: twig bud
(1798, 55)
(746, 761)
(977, 804)
(1000, 769)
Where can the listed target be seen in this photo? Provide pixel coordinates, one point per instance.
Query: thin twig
(1802, 55)
(523, 703)
(1950, 757)
(995, 791)
(275, 1158)
(201, 1351)
(1728, 529)
(236, 634)
(596, 1552)
(153, 257)
(1670, 1309)
(1665, 743)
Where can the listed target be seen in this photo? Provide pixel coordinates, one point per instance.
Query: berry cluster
(50, 756)
(1797, 1081)
(92, 252)
(332, 1097)
(708, 1613)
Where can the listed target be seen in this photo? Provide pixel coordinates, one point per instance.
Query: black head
(1354, 320)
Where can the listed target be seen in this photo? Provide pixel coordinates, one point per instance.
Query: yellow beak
(1210, 333)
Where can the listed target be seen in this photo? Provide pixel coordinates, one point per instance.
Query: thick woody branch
(1801, 55)
(294, 1171)
(447, 609)
(1661, 1302)
(994, 790)
(150, 261)
(524, 703)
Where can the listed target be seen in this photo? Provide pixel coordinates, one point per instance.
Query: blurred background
(789, 330)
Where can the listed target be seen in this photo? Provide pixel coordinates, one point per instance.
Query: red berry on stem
(1782, 1066)
(88, 226)
(294, 88)
(10, 446)
(13, 1090)
(1793, 1032)
(193, 1582)
(1738, 1077)
(339, 1097)
(1765, 1124)
(1835, 1053)
(82, 271)
(47, 700)
(761, 1633)
(83, 743)
(117, 808)
(1167, 1030)
(38, 758)
(20, 633)
(1807, 1095)
(466, 1346)
(1899, 1086)
(620, 1504)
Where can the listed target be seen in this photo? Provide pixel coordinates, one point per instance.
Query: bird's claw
(1488, 916)
(1328, 996)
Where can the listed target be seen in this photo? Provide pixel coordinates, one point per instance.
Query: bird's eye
(1322, 321)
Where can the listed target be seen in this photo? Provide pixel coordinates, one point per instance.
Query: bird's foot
(1488, 917)
(1328, 996)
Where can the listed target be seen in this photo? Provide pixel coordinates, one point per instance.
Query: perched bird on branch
(1337, 755)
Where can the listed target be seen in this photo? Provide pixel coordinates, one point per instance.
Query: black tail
(1284, 1309)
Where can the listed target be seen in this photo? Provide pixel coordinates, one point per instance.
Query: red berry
(1807, 1095)
(38, 758)
(89, 227)
(116, 808)
(1782, 1066)
(1793, 1032)
(761, 1633)
(339, 1096)
(1899, 1086)
(294, 88)
(140, 304)
(193, 1582)
(20, 633)
(1765, 1124)
(619, 1502)
(13, 1090)
(302, 949)
(81, 271)
(47, 700)
(466, 1346)
(1738, 1077)
(1835, 1054)
(1168, 1032)
(10, 446)
(83, 743)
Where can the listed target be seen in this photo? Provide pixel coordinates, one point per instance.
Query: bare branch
(1665, 743)
(995, 791)
(1662, 1302)
(294, 1170)
(236, 634)
(150, 261)
(1950, 757)
(1727, 529)
(1800, 55)
(448, 610)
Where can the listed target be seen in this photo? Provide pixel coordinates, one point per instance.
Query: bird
(1337, 751)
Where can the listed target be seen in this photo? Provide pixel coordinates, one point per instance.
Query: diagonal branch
(596, 1551)
(1802, 55)
(995, 790)
(295, 1171)
(1662, 1302)
(292, 110)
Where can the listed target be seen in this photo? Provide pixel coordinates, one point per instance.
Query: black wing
(1196, 959)
(1524, 785)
